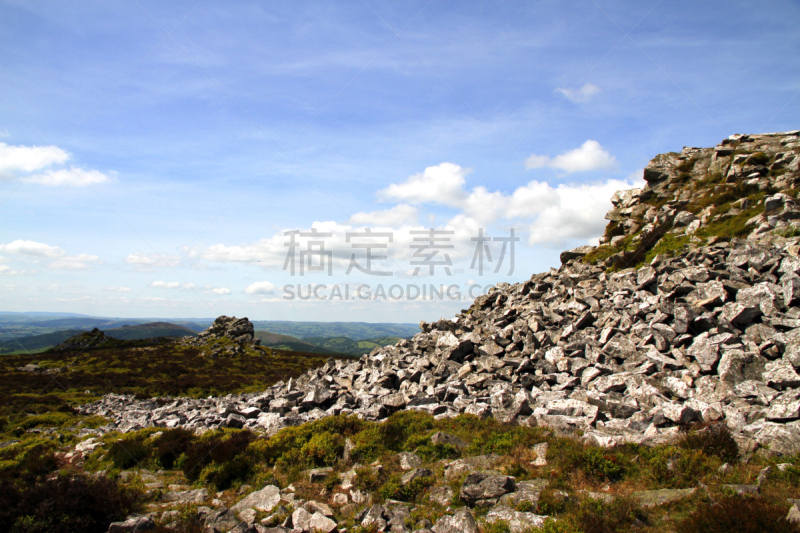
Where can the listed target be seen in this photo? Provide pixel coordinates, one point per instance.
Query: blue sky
(153, 154)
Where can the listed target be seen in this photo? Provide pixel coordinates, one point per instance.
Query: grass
(224, 460)
(668, 245)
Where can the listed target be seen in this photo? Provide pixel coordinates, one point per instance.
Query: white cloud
(53, 287)
(577, 212)
(442, 184)
(76, 177)
(483, 205)
(17, 159)
(6, 270)
(165, 284)
(581, 94)
(147, 262)
(222, 290)
(31, 248)
(35, 250)
(118, 289)
(396, 216)
(74, 262)
(260, 287)
(589, 156)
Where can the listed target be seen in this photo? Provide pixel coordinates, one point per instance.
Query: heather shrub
(65, 504)
(170, 445)
(621, 514)
(129, 451)
(219, 458)
(713, 440)
(738, 514)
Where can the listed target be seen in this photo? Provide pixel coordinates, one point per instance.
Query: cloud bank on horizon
(149, 176)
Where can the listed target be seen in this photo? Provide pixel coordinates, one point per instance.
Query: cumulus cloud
(577, 212)
(222, 290)
(39, 250)
(76, 177)
(396, 216)
(260, 287)
(31, 248)
(147, 262)
(165, 284)
(442, 184)
(589, 156)
(75, 262)
(17, 161)
(581, 94)
(118, 289)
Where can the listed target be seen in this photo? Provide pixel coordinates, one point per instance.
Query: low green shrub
(621, 514)
(713, 440)
(738, 514)
(64, 504)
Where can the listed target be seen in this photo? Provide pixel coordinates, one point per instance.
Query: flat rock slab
(517, 521)
(186, 496)
(653, 498)
(742, 489)
(264, 500)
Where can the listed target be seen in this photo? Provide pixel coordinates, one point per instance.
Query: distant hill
(40, 343)
(287, 342)
(83, 323)
(149, 331)
(351, 330)
(350, 346)
(37, 343)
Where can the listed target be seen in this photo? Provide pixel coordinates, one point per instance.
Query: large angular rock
(264, 500)
(575, 253)
(460, 522)
(483, 489)
(132, 524)
(780, 375)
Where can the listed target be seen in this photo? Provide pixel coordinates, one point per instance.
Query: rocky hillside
(687, 316)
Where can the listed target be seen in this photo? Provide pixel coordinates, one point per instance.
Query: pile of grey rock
(238, 332)
(712, 335)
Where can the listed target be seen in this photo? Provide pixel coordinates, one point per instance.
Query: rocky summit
(688, 311)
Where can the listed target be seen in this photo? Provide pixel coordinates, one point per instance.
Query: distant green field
(350, 346)
(350, 330)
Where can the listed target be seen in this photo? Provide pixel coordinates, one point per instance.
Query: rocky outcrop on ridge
(746, 186)
(90, 340)
(227, 336)
(702, 333)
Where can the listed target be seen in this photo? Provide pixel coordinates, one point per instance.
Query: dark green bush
(713, 440)
(129, 451)
(171, 444)
(224, 452)
(65, 504)
(621, 514)
(738, 514)
(598, 462)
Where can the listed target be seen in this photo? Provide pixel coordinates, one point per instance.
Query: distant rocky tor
(688, 311)
(226, 336)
